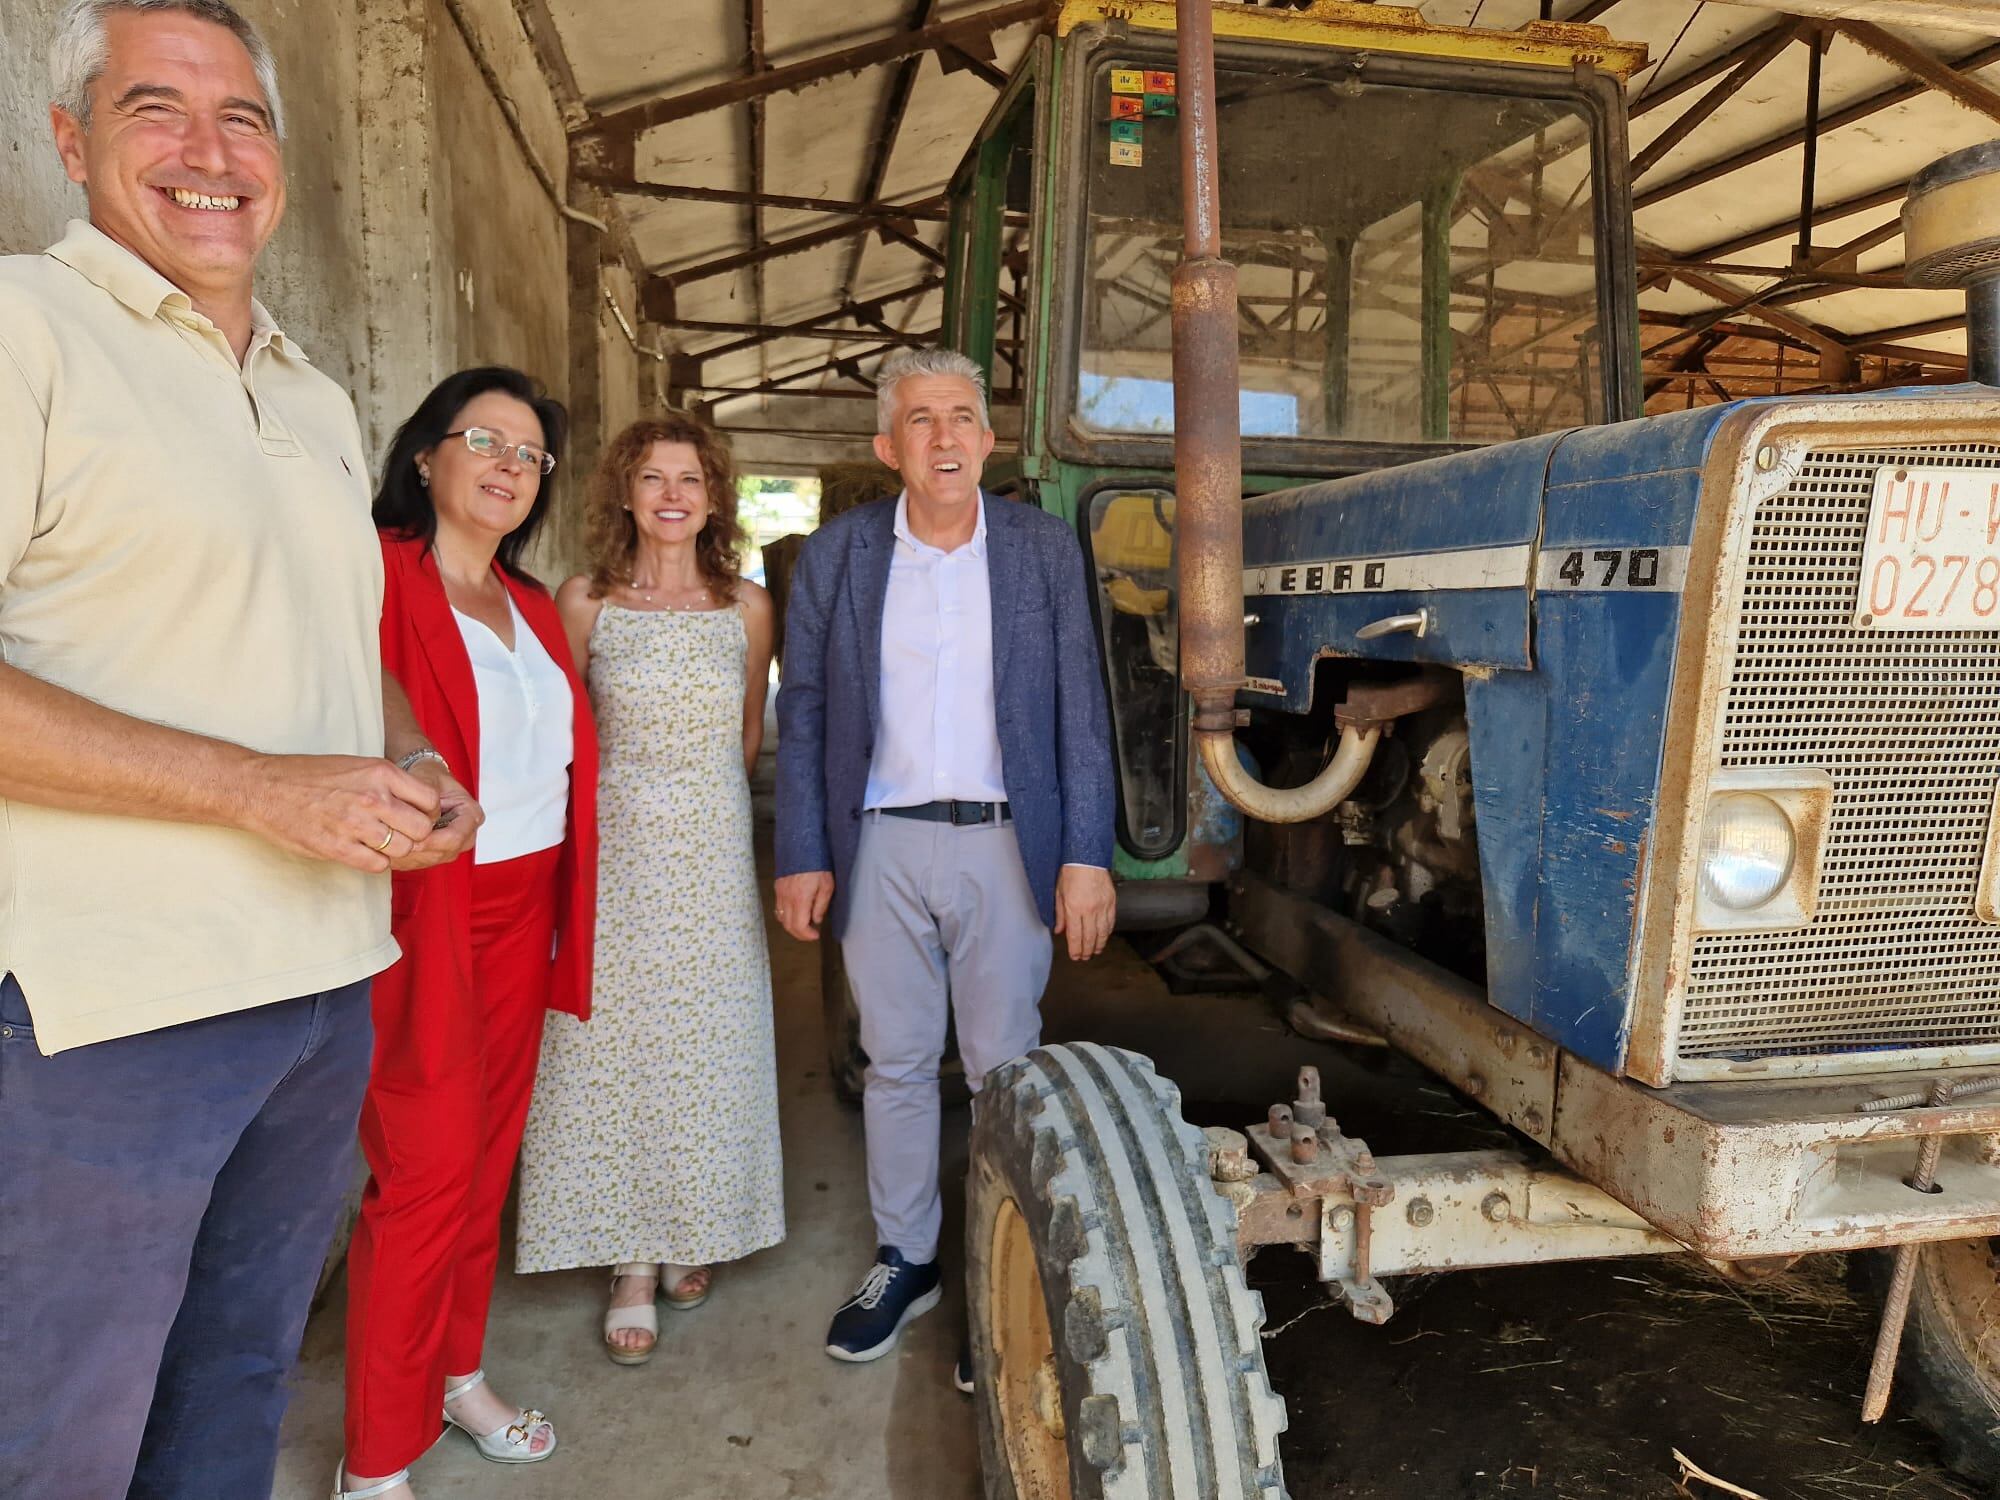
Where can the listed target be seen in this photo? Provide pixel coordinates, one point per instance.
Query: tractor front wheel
(1951, 1352)
(1116, 1353)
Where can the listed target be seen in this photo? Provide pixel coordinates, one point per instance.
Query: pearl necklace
(704, 601)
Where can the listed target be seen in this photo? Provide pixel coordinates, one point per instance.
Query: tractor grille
(1908, 726)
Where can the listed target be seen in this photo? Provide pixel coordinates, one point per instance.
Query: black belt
(958, 814)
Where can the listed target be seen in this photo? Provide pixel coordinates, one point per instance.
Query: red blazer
(423, 650)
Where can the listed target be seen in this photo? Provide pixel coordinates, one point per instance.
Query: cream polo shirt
(188, 542)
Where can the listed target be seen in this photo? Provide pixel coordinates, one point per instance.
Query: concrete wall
(421, 235)
(312, 274)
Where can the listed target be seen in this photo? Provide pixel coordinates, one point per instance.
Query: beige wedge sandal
(645, 1317)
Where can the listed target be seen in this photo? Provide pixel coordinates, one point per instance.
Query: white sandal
(382, 1487)
(645, 1316)
(512, 1442)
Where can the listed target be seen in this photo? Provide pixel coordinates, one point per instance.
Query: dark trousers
(166, 1202)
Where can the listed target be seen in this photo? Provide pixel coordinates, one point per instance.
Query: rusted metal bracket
(1896, 1308)
(1369, 705)
(1304, 1149)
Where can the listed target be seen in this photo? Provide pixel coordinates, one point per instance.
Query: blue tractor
(1640, 777)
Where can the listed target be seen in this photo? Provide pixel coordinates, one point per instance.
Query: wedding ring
(387, 835)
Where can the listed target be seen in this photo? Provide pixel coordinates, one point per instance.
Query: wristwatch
(423, 753)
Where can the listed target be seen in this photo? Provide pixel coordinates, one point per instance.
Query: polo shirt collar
(975, 548)
(101, 260)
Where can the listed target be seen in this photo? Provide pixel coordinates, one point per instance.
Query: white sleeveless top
(526, 740)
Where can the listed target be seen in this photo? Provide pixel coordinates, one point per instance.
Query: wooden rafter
(1774, 42)
(895, 104)
(1664, 94)
(854, 311)
(887, 221)
(753, 26)
(627, 124)
(1735, 245)
(763, 333)
(633, 187)
(1921, 65)
(1776, 145)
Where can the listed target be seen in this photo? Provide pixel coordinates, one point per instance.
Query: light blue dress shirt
(937, 740)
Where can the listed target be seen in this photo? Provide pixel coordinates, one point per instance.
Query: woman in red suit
(490, 943)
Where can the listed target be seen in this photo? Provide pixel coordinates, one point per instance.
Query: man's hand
(456, 825)
(351, 809)
(1086, 907)
(802, 903)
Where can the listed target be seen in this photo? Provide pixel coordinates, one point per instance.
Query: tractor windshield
(1416, 263)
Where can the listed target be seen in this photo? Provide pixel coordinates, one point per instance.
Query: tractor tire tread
(1159, 1331)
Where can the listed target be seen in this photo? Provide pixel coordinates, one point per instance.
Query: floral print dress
(654, 1130)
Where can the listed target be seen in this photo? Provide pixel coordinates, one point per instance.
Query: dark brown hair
(611, 536)
(403, 505)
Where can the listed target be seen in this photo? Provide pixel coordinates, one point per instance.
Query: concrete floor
(741, 1401)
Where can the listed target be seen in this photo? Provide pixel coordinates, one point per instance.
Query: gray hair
(904, 363)
(81, 49)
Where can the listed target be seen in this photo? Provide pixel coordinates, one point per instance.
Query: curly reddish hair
(611, 536)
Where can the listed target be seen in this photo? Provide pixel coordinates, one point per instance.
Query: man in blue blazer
(944, 791)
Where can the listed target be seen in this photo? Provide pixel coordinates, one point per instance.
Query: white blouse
(526, 740)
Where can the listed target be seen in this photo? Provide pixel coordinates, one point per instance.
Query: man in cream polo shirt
(199, 790)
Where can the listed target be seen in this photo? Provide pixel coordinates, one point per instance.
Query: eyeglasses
(489, 444)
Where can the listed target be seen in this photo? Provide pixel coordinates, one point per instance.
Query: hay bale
(845, 485)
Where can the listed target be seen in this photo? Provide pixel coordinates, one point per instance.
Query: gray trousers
(938, 916)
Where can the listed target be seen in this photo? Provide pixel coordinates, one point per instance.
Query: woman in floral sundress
(650, 1146)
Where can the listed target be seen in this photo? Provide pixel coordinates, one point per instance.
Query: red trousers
(441, 1137)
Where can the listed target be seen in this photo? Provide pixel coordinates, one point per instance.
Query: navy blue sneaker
(891, 1296)
(961, 1373)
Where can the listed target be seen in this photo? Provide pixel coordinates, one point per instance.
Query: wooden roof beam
(1921, 65)
(1778, 144)
(1961, 15)
(857, 311)
(930, 209)
(1664, 94)
(798, 244)
(960, 32)
(1773, 42)
(765, 333)
(1786, 227)
(834, 366)
(894, 105)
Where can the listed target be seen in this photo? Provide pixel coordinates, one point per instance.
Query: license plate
(1932, 558)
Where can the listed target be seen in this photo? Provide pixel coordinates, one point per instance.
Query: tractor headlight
(1747, 850)
(1762, 835)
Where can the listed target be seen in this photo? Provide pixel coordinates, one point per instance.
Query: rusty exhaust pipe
(1208, 467)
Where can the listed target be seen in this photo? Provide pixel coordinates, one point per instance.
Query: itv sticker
(1127, 106)
(1127, 154)
(1128, 81)
(1127, 130)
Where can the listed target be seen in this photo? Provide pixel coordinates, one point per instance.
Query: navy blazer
(1055, 733)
